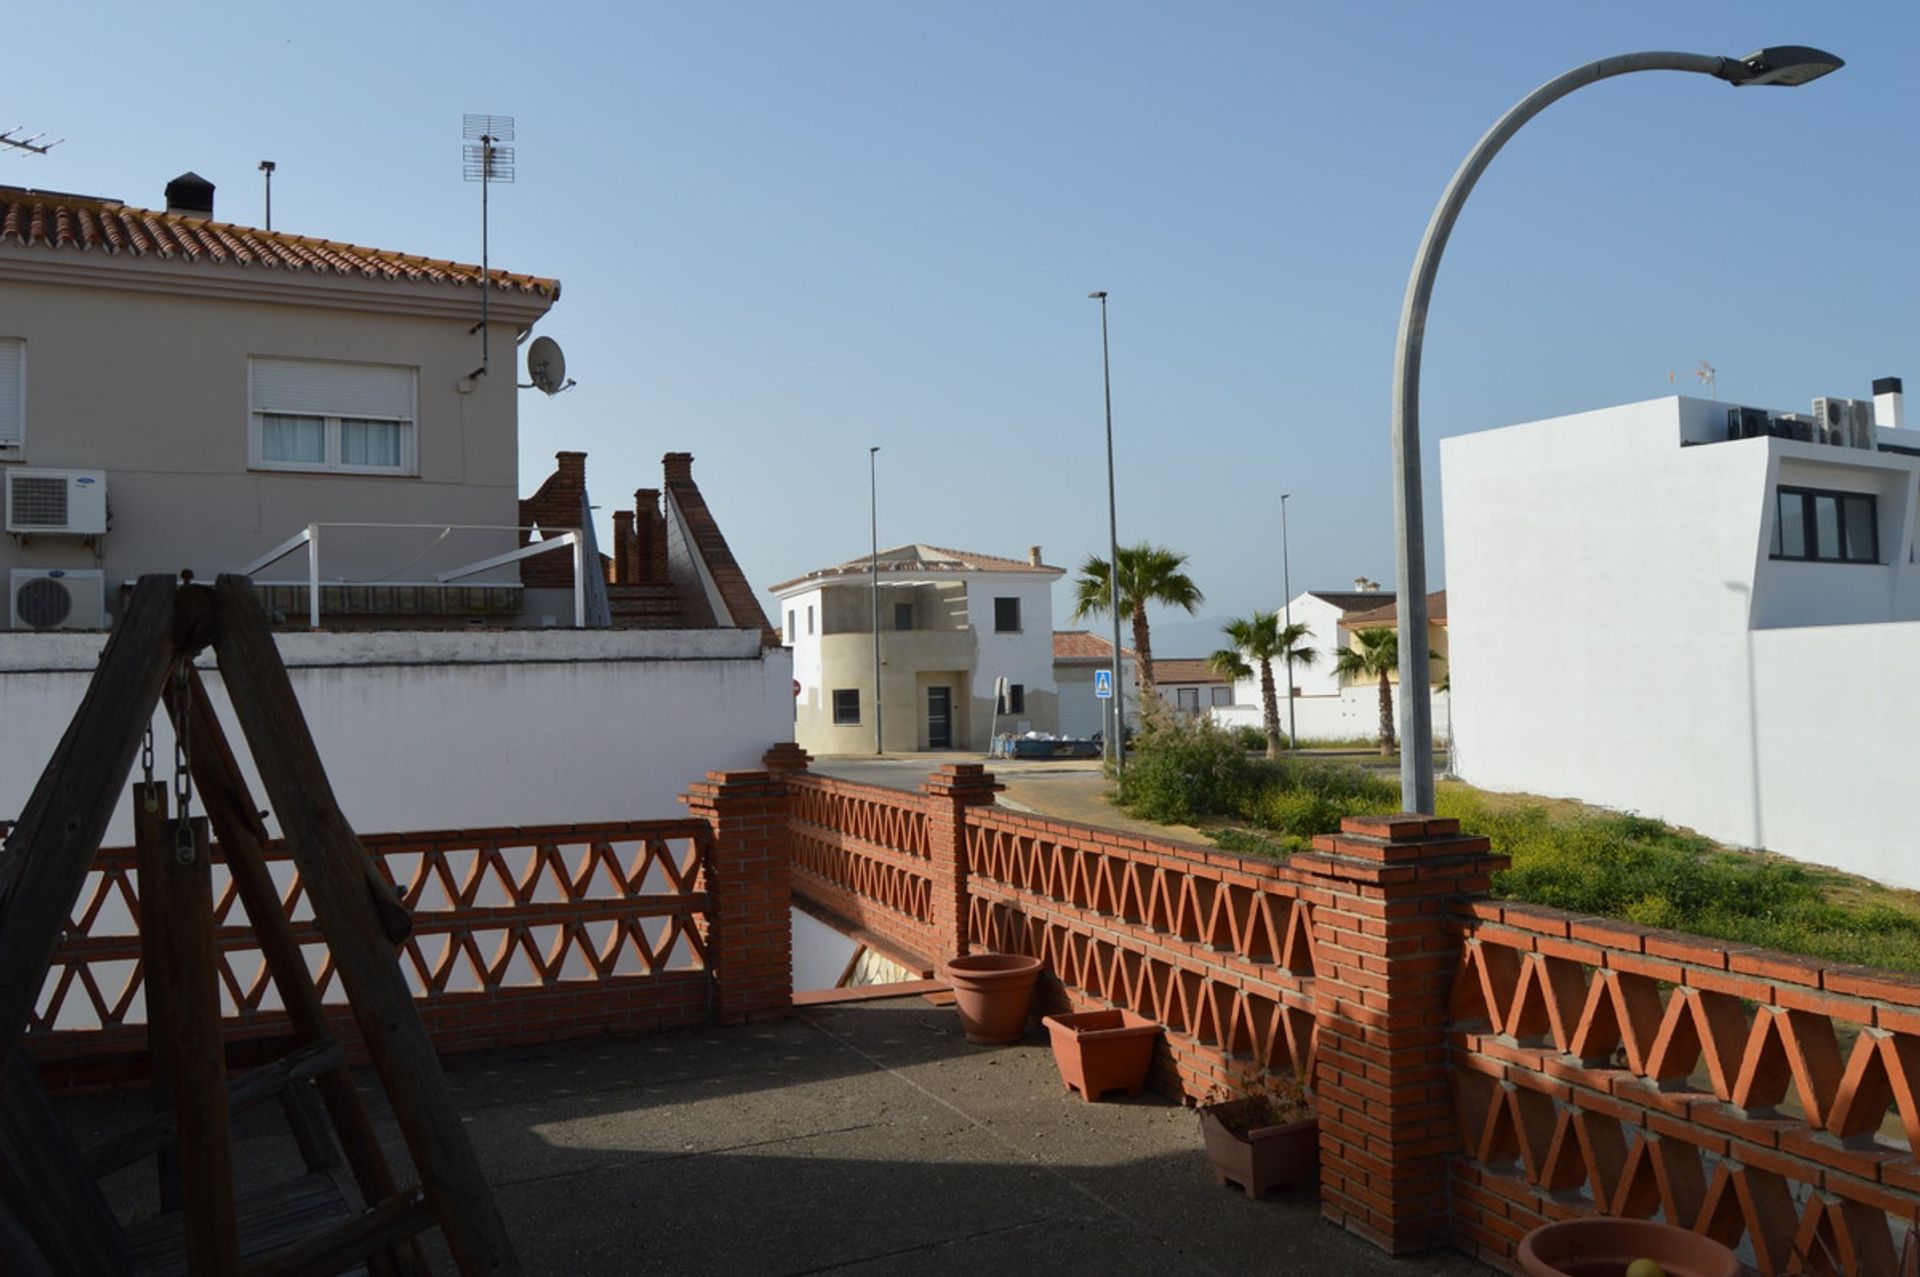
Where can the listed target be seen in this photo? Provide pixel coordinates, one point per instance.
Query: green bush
(1178, 774)
(1248, 737)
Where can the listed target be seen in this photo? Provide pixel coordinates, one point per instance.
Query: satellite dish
(547, 366)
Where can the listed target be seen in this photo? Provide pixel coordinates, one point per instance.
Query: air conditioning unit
(1861, 428)
(57, 502)
(57, 599)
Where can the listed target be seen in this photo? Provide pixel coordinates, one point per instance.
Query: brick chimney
(622, 546)
(678, 467)
(647, 561)
(1033, 555)
(190, 195)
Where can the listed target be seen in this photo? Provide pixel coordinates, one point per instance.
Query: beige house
(182, 393)
(953, 623)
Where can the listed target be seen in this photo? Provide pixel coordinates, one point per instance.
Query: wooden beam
(203, 1134)
(237, 825)
(157, 976)
(19, 1255)
(340, 1247)
(47, 1186)
(331, 862)
(45, 861)
(249, 1090)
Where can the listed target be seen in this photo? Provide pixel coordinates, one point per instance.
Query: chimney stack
(1889, 404)
(190, 195)
(1033, 555)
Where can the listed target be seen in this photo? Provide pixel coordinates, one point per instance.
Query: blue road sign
(1103, 684)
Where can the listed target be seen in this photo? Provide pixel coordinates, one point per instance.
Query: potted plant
(993, 993)
(1101, 1051)
(1637, 1247)
(1266, 1138)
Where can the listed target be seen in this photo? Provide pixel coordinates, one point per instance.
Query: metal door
(939, 718)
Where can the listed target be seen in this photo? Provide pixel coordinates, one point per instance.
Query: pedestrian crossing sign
(1103, 684)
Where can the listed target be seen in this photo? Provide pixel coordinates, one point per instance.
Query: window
(1187, 698)
(1016, 699)
(347, 418)
(903, 616)
(1223, 696)
(809, 618)
(790, 630)
(13, 395)
(846, 705)
(1826, 527)
(1006, 616)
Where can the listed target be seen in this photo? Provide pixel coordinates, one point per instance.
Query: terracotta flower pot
(1265, 1157)
(1101, 1051)
(1604, 1246)
(993, 993)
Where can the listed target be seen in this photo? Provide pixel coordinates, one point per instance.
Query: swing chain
(183, 846)
(146, 767)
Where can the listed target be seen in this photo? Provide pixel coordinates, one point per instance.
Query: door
(939, 718)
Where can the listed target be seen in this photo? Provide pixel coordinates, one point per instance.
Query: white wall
(426, 730)
(1617, 636)
(1352, 715)
(1023, 657)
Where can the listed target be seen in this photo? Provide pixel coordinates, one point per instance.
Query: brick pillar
(749, 931)
(949, 792)
(786, 757)
(623, 547)
(1383, 960)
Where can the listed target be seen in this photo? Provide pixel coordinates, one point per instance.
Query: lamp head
(267, 166)
(1099, 296)
(1787, 65)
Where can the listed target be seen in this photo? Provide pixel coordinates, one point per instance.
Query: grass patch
(1563, 854)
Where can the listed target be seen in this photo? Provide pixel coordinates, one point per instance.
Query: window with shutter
(317, 416)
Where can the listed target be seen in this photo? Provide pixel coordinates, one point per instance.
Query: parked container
(1101, 1051)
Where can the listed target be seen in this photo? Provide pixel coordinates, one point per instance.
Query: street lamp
(1786, 65)
(1113, 553)
(1286, 583)
(873, 510)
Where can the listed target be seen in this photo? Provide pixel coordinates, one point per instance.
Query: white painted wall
(450, 729)
(1619, 634)
(1025, 656)
(1354, 714)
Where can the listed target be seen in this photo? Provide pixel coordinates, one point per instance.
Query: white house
(1191, 686)
(1324, 707)
(952, 623)
(1078, 656)
(1702, 612)
(180, 393)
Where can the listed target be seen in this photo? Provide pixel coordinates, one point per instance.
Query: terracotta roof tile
(50, 220)
(919, 559)
(1381, 617)
(1084, 645)
(1182, 669)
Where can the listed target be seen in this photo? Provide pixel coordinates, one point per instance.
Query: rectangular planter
(1266, 1157)
(1101, 1051)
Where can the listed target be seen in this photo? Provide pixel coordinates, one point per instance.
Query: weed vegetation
(1582, 860)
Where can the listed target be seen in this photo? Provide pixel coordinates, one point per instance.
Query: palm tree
(1263, 639)
(1374, 653)
(1148, 574)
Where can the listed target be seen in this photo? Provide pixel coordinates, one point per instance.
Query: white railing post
(580, 580)
(313, 576)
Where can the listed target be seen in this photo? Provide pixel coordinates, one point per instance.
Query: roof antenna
(487, 162)
(32, 145)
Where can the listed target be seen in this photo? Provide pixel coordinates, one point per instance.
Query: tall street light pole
(1113, 554)
(1787, 66)
(1286, 583)
(873, 509)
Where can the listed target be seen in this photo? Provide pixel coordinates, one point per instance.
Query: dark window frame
(900, 610)
(1000, 604)
(1015, 701)
(1845, 551)
(840, 710)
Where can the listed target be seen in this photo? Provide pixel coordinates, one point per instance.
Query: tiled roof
(1381, 617)
(1354, 600)
(1084, 645)
(1180, 669)
(51, 220)
(919, 559)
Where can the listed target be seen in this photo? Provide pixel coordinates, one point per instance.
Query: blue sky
(788, 231)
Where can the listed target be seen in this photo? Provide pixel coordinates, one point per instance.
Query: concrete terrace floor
(862, 1137)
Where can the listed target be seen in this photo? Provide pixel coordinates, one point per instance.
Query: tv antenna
(487, 162)
(32, 145)
(1706, 375)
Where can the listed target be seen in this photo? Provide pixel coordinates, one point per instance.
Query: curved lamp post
(1787, 65)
